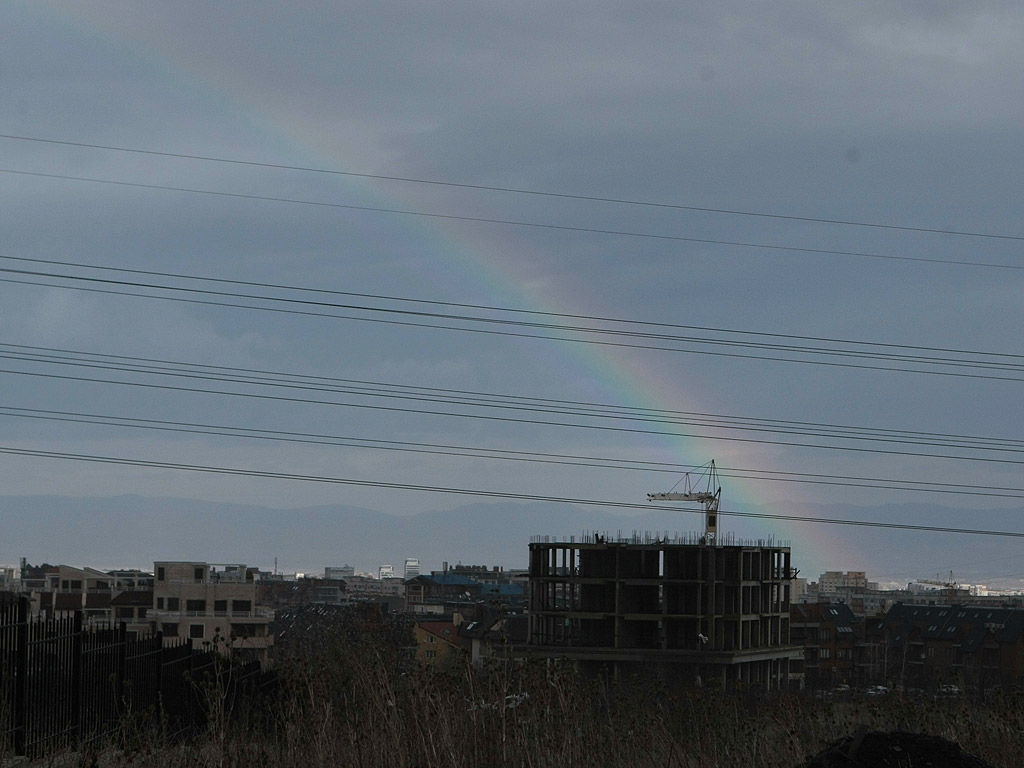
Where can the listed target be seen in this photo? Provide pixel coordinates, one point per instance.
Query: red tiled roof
(444, 630)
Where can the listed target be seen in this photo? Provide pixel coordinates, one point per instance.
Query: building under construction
(687, 609)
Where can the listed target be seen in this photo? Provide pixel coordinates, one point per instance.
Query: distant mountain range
(134, 531)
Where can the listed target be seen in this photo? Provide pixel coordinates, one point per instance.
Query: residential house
(493, 636)
(438, 643)
(441, 593)
(211, 603)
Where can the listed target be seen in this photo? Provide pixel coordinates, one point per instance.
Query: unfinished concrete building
(681, 609)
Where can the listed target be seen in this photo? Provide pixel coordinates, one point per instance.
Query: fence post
(77, 652)
(122, 665)
(160, 671)
(191, 684)
(21, 678)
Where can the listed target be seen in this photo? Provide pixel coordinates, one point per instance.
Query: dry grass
(354, 699)
(355, 707)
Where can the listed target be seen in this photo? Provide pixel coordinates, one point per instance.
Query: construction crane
(710, 497)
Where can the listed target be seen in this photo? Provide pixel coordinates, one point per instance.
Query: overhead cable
(514, 190)
(458, 491)
(491, 308)
(581, 334)
(480, 452)
(510, 222)
(495, 400)
(494, 418)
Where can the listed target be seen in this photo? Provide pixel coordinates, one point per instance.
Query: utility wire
(258, 375)
(513, 190)
(497, 400)
(500, 309)
(600, 462)
(515, 223)
(507, 419)
(857, 354)
(145, 463)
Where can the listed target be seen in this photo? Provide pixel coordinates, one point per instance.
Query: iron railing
(64, 684)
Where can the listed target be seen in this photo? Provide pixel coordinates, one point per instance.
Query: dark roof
(68, 601)
(444, 579)
(133, 597)
(503, 590)
(514, 629)
(966, 624)
(838, 614)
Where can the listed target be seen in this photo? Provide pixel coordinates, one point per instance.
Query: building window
(170, 630)
(172, 604)
(824, 653)
(125, 613)
(199, 574)
(195, 631)
(241, 606)
(159, 603)
(431, 654)
(431, 639)
(198, 606)
(160, 574)
(246, 630)
(143, 611)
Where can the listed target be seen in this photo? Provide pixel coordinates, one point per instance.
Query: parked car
(877, 690)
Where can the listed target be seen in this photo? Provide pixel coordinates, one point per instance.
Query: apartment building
(682, 609)
(830, 636)
(211, 603)
(61, 590)
(947, 647)
(10, 577)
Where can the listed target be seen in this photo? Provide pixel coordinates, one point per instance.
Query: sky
(756, 180)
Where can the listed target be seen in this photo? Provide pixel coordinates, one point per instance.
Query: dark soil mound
(894, 750)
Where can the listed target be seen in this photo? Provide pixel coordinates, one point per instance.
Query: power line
(515, 223)
(498, 309)
(264, 474)
(599, 462)
(812, 351)
(497, 400)
(515, 190)
(502, 402)
(498, 419)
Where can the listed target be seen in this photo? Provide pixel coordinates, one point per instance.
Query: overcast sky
(900, 115)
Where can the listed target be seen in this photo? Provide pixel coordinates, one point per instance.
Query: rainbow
(464, 264)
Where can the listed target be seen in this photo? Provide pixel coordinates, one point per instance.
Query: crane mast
(710, 498)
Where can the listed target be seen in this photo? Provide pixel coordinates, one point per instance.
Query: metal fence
(65, 686)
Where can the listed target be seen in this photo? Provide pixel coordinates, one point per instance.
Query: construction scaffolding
(687, 610)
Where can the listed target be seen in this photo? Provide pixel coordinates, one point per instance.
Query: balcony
(257, 613)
